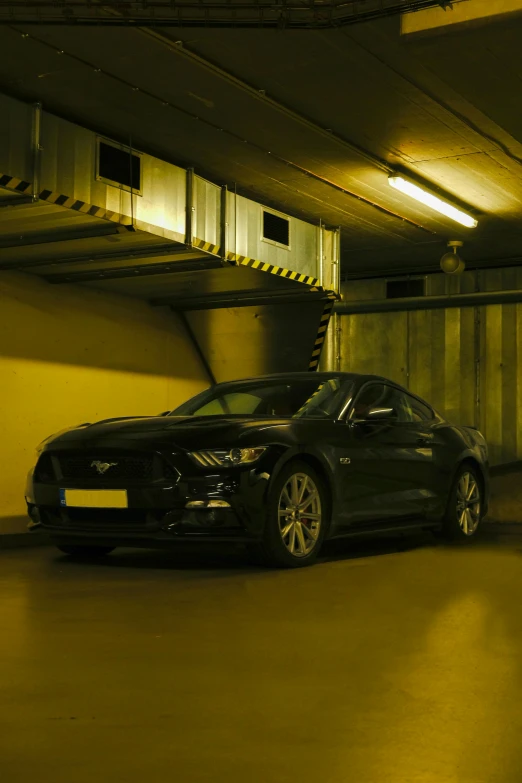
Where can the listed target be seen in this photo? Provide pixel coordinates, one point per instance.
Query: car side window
(380, 395)
(369, 397)
(397, 400)
(419, 410)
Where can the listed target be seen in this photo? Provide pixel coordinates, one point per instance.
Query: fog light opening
(34, 514)
(204, 504)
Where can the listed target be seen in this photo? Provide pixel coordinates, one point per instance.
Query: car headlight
(223, 458)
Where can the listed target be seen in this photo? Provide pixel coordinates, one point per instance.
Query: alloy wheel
(468, 503)
(299, 514)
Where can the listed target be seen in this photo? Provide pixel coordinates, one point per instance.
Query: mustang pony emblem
(102, 467)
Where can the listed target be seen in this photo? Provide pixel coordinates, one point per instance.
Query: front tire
(297, 518)
(85, 552)
(464, 511)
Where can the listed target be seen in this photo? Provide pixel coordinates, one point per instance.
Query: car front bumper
(160, 513)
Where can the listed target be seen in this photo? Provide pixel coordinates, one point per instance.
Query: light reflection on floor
(389, 662)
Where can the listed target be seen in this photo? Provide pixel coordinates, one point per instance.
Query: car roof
(289, 376)
(305, 376)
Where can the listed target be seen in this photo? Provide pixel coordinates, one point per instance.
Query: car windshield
(295, 399)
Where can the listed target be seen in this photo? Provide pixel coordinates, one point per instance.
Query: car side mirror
(376, 414)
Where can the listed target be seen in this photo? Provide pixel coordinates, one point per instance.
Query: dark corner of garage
(260, 432)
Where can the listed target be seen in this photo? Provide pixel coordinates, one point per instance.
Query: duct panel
(207, 212)
(245, 237)
(69, 168)
(330, 252)
(16, 139)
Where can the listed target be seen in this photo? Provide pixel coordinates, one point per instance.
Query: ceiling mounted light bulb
(434, 202)
(451, 263)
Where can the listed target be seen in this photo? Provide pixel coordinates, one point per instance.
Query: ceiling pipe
(428, 302)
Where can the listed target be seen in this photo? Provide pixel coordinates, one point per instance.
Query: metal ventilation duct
(283, 14)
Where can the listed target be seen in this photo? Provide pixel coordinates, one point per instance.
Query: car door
(383, 462)
(424, 425)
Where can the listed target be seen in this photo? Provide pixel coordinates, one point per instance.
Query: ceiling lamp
(451, 263)
(434, 202)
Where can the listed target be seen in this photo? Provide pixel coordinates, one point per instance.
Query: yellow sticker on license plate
(95, 498)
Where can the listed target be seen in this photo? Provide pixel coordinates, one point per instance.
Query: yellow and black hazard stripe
(207, 247)
(271, 269)
(313, 285)
(60, 200)
(15, 184)
(321, 333)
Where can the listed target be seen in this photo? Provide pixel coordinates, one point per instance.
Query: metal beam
(156, 251)
(237, 299)
(428, 302)
(34, 239)
(15, 201)
(391, 273)
(138, 270)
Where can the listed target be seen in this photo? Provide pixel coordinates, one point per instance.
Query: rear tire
(85, 552)
(464, 511)
(297, 518)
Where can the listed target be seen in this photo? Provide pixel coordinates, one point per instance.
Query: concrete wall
(466, 361)
(505, 504)
(70, 355)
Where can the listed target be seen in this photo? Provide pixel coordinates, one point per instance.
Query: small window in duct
(404, 289)
(119, 166)
(276, 229)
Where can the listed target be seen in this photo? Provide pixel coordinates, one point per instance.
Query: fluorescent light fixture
(435, 203)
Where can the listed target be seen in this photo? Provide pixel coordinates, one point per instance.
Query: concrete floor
(389, 662)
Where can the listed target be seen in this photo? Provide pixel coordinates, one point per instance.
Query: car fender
(302, 452)
(29, 487)
(471, 454)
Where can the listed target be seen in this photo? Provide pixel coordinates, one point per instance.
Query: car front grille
(103, 467)
(130, 468)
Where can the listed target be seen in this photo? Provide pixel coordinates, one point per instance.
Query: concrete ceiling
(309, 121)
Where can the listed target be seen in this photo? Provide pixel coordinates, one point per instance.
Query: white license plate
(94, 498)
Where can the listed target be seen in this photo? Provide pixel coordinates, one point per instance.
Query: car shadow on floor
(377, 545)
(212, 559)
(221, 558)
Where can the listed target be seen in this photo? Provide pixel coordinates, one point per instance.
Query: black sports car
(280, 463)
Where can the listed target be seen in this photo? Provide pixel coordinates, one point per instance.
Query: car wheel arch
(473, 462)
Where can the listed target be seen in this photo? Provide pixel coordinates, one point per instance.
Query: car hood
(176, 431)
